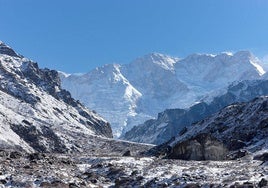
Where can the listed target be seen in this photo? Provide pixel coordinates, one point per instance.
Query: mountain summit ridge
(158, 82)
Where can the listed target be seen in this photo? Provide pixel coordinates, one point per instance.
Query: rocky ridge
(36, 114)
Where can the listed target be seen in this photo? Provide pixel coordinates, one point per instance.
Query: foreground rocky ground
(58, 170)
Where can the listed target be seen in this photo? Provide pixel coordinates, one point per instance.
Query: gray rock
(261, 157)
(201, 147)
(4, 49)
(127, 153)
(263, 183)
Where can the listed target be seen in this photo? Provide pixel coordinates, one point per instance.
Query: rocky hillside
(233, 132)
(36, 114)
(129, 94)
(172, 122)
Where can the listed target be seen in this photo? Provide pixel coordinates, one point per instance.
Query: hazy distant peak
(108, 68)
(243, 54)
(227, 53)
(154, 56)
(164, 61)
(246, 57)
(207, 56)
(196, 57)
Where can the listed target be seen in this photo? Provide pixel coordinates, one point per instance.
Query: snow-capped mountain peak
(216, 71)
(248, 57)
(243, 55)
(161, 60)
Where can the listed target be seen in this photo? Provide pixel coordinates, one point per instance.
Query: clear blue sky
(76, 36)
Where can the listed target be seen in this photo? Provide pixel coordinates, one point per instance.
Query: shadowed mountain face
(128, 95)
(172, 122)
(36, 114)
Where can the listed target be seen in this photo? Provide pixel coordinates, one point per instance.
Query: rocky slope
(238, 130)
(36, 114)
(127, 95)
(173, 121)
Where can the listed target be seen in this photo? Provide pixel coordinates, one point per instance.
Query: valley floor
(56, 170)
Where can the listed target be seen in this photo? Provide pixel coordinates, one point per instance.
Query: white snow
(258, 67)
(64, 74)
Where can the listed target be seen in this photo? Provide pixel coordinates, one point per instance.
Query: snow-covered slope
(36, 114)
(127, 95)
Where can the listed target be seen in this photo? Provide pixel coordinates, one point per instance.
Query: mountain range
(128, 95)
(49, 139)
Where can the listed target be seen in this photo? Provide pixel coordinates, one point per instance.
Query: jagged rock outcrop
(172, 121)
(4, 49)
(36, 114)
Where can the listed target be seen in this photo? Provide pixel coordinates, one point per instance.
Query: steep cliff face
(36, 114)
(171, 122)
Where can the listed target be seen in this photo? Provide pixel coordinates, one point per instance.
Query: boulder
(127, 153)
(201, 147)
